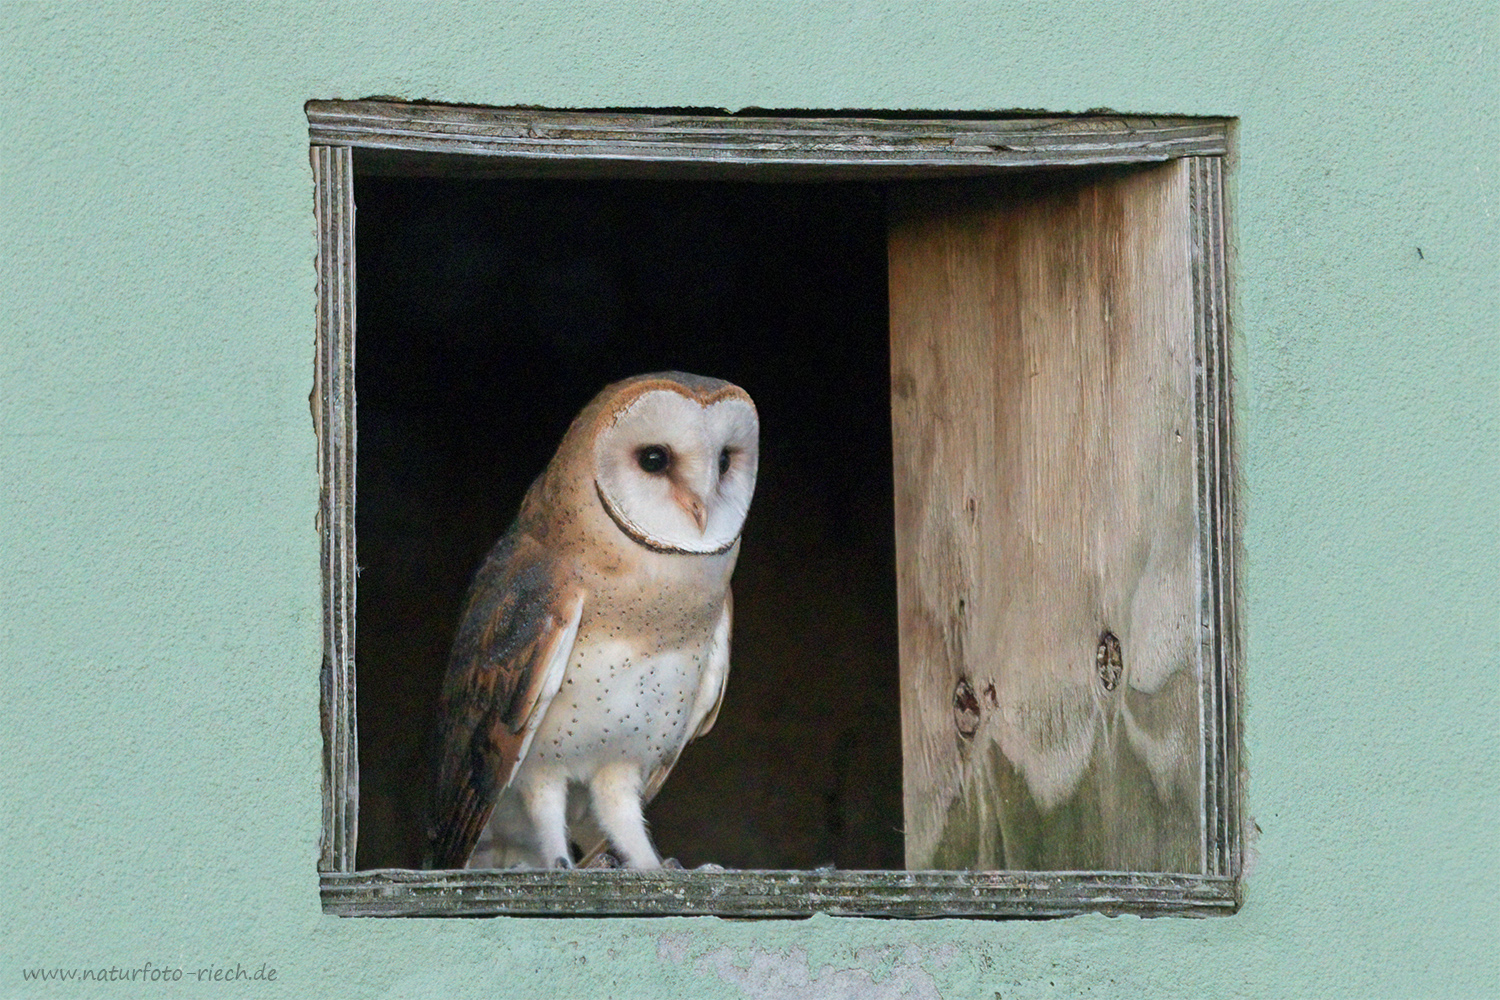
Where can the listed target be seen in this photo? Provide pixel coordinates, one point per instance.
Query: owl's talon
(562, 862)
(604, 859)
(672, 863)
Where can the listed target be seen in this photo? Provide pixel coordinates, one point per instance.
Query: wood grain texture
(479, 141)
(1042, 373)
(332, 405)
(400, 893)
(1218, 527)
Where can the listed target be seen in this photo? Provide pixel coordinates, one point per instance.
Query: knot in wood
(965, 709)
(1109, 660)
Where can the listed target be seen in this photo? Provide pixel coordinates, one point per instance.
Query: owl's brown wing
(514, 642)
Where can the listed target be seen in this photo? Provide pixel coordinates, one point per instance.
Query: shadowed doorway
(490, 311)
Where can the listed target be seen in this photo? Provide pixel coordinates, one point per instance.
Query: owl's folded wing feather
(513, 645)
(715, 674)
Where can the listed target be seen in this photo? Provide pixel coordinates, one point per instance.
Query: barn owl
(594, 643)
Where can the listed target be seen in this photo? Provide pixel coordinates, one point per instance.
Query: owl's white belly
(616, 706)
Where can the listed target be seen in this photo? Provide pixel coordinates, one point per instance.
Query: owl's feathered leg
(547, 807)
(616, 794)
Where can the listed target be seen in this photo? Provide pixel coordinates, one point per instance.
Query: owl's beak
(692, 504)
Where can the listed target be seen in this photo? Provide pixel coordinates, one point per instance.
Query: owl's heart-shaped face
(675, 472)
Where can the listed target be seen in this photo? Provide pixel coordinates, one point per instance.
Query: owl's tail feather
(450, 844)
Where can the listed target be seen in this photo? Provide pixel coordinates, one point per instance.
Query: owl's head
(675, 457)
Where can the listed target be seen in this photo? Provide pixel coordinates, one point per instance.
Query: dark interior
(489, 312)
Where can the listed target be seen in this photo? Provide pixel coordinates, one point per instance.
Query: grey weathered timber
(393, 893)
(1218, 529)
(1042, 370)
(499, 142)
(333, 418)
(387, 137)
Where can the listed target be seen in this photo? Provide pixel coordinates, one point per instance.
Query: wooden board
(605, 892)
(1042, 347)
(451, 140)
(332, 404)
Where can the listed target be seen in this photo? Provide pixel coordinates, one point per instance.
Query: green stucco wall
(159, 631)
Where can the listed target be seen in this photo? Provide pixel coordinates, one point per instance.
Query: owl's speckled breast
(619, 703)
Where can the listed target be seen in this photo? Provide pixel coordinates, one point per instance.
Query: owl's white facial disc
(676, 475)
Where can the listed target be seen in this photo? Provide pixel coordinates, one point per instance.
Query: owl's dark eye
(723, 461)
(653, 458)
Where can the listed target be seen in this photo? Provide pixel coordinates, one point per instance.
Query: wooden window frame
(472, 141)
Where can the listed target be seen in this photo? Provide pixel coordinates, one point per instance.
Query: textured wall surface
(159, 638)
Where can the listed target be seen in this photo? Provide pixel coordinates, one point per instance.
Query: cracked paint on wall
(789, 974)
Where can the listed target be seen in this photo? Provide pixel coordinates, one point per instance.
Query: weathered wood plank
(333, 419)
(1217, 527)
(1042, 363)
(515, 142)
(773, 893)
